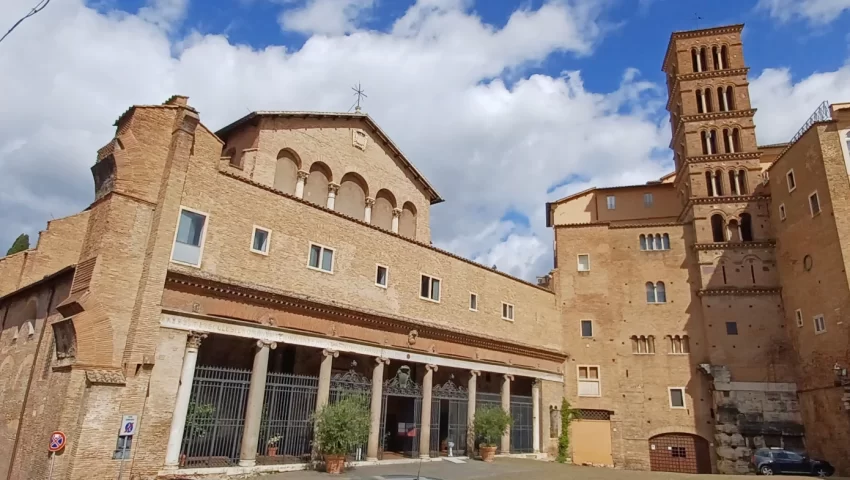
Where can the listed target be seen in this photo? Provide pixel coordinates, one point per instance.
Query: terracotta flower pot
(488, 454)
(271, 451)
(334, 463)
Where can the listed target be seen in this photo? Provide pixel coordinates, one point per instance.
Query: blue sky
(503, 105)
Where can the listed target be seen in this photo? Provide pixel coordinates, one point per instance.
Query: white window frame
(578, 262)
(820, 206)
(430, 287)
(321, 256)
(670, 398)
(651, 202)
(611, 202)
(822, 322)
(510, 309)
(798, 315)
(471, 295)
(789, 176)
(378, 266)
(581, 330)
(203, 236)
(782, 213)
(597, 380)
(268, 240)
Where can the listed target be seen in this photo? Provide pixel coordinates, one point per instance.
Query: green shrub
(568, 414)
(342, 426)
(490, 424)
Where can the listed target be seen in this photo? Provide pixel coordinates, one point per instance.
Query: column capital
(370, 202)
(330, 353)
(333, 188)
(508, 376)
(265, 343)
(384, 360)
(302, 175)
(431, 367)
(536, 382)
(396, 212)
(194, 339)
(475, 373)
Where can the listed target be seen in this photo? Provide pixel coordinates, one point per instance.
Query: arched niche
(407, 222)
(351, 199)
(316, 188)
(382, 212)
(286, 171)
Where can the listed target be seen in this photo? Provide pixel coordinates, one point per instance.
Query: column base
(371, 459)
(247, 463)
(171, 467)
(424, 457)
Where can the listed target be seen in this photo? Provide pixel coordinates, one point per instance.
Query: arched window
(736, 140)
(660, 293)
(695, 60)
(665, 245)
(658, 244)
(727, 141)
(712, 142)
(719, 181)
(351, 199)
(231, 154)
(717, 228)
(733, 182)
(742, 181)
(407, 222)
(730, 99)
(704, 139)
(382, 212)
(709, 102)
(316, 188)
(746, 227)
(709, 183)
(286, 171)
(715, 55)
(642, 241)
(703, 58)
(679, 344)
(734, 231)
(700, 101)
(650, 292)
(643, 344)
(724, 57)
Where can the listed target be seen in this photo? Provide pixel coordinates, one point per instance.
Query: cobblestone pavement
(502, 469)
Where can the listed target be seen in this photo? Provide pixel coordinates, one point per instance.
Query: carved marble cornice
(709, 292)
(731, 245)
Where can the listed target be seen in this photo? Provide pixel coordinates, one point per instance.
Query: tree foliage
(490, 424)
(342, 426)
(568, 414)
(21, 243)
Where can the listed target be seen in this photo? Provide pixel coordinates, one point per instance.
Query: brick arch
(678, 429)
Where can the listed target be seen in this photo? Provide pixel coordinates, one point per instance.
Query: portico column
(181, 407)
(299, 183)
(535, 415)
(254, 411)
(396, 214)
(324, 393)
(506, 406)
(375, 413)
(425, 429)
(367, 215)
(472, 388)
(332, 189)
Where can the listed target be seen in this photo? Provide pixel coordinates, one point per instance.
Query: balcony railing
(822, 113)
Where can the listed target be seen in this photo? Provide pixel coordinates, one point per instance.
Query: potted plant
(340, 428)
(271, 445)
(490, 424)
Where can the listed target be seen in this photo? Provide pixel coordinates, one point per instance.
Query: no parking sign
(57, 442)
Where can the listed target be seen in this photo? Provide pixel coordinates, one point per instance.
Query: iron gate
(288, 406)
(522, 426)
(213, 431)
(352, 383)
(401, 385)
(458, 399)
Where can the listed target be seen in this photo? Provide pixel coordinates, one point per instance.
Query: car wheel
(823, 472)
(766, 470)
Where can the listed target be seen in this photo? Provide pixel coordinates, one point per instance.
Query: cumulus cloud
(326, 17)
(815, 11)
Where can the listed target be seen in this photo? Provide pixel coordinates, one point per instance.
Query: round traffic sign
(57, 442)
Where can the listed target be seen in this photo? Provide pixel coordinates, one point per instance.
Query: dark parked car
(776, 461)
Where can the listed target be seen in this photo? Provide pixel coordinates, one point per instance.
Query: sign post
(128, 429)
(57, 443)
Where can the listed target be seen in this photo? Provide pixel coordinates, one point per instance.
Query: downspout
(29, 381)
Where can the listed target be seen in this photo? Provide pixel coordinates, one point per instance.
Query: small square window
(799, 315)
(321, 258)
(731, 328)
(782, 215)
(381, 274)
(588, 381)
(260, 240)
(677, 397)
(647, 200)
(792, 182)
(429, 288)
(679, 452)
(473, 301)
(814, 203)
(587, 328)
(507, 311)
(612, 202)
(189, 237)
(820, 324)
(584, 263)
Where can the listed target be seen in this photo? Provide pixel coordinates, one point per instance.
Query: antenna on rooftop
(360, 94)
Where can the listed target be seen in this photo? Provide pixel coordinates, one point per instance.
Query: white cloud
(165, 13)
(326, 17)
(815, 11)
(434, 84)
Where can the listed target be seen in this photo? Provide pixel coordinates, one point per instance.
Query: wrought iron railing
(821, 114)
(287, 423)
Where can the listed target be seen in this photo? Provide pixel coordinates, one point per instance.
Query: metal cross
(360, 94)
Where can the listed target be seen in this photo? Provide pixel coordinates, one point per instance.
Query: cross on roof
(360, 94)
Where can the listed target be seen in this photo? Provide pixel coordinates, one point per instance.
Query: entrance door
(679, 452)
(592, 444)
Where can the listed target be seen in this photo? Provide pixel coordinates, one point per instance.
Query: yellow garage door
(591, 442)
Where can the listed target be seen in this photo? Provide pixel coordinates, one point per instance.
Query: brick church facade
(225, 285)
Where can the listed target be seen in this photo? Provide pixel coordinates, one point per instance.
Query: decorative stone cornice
(736, 291)
(738, 28)
(712, 74)
(350, 314)
(724, 157)
(645, 225)
(718, 115)
(734, 245)
(728, 199)
(105, 377)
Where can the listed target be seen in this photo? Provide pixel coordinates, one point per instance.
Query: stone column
(738, 182)
(299, 183)
(324, 393)
(254, 410)
(699, 61)
(396, 214)
(333, 188)
(181, 407)
(717, 190)
(425, 429)
(375, 412)
(725, 100)
(367, 215)
(535, 415)
(506, 406)
(730, 141)
(702, 103)
(472, 388)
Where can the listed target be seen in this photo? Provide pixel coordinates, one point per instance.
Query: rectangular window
(587, 328)
(814, 204)
(731, 328)
(588, 381)
(189, 238)
(429, 288)
(679, 452)
(799, 315)
(507, 311)
(260, 240)
(792, 182)
(647, 200)
(612, 202)
(677, 397)
(584, 263)
(473, 301)
(381, 274)
(321, 258)
(782, 215)
(820, 324)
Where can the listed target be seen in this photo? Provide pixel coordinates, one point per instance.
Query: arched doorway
(679, 452)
